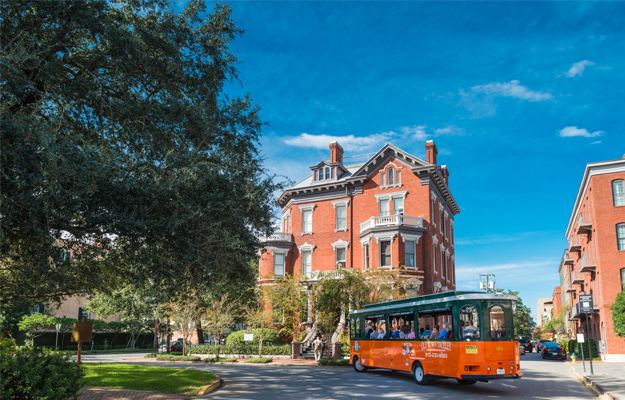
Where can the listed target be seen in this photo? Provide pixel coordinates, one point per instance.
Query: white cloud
(573, 131)
(449, 131)
(415, 132)
(597, 142)
(511, 89)
(578, 68)
(349, 142)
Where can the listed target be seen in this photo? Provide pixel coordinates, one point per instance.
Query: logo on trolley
(356, 346)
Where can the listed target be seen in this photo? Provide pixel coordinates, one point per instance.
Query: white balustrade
(391, 220)
(277, 236)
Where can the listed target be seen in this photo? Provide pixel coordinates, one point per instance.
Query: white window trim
(306, 247)
(340, 244)
(310, 250)
(311, 208)
(366, 254)
(340, 203)
(434, 258)
(411, 239)
(385, 171)
(277, 251)
(384, 236)
(414, 238)
(389, 196)
(386, 239)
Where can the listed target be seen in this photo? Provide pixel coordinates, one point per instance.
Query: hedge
(271, 338)
(169, 357)
(261, 360)
(333, 362)
(574, 347)
(220, 359)
(38, 373)
(284, 350)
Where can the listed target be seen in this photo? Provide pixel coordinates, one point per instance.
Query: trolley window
(497, 322)
(435, 323)
(376, 327)
(402, 325)
(469, 322)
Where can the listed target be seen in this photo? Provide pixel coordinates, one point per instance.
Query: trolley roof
(434, 299)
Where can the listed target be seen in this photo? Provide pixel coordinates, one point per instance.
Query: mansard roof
(360, 173)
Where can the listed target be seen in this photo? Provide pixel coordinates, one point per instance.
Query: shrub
(574, 347)
(302, 336)
(258, 360)
(333, 362)
(151, 355)
(215, 359)
(169, 357)
(38, 373)
(7, 345)
(283, 350)
(270, 338)
(345, 351)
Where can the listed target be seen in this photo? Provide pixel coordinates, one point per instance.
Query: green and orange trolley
(474, 340)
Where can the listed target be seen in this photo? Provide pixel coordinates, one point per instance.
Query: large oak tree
(120, 146)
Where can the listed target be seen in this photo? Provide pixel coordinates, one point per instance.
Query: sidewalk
(608, 378)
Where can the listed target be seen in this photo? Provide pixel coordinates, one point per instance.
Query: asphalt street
(544, 379)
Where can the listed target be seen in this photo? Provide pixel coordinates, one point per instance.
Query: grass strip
(332, 362)
(258, 360)
(187, 382)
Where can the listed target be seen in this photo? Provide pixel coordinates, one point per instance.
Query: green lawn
(187, 382)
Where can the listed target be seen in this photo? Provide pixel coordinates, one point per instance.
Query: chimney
(336, 153)
(430, 149)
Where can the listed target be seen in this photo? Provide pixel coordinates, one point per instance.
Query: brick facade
(595, 261)
(359, 208)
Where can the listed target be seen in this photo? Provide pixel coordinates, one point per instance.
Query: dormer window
(390, 176)
(327, 173)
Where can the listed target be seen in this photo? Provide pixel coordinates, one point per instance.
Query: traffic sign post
(58, 328)
(580, 340)
(586, 307)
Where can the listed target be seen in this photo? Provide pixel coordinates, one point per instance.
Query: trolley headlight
(487, 368)
(512, 368)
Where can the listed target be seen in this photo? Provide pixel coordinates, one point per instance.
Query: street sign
(585, 303)
(82, 331)
(248, 337)
(58, 327)
(580, 338)
(248, 330)
(550, 333)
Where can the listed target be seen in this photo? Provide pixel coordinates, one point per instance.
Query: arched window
(620, 236)
(469, 322)
(618, 193)
(391, 176)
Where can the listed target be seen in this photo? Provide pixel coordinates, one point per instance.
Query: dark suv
(527, 343)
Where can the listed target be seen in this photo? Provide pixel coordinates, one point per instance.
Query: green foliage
(38, 373)
(7, 345)
(270, 338)
(35, 323)
(169, 357)
(345, 350)
(119, 139)
(575, 347)
(618, 314)
(564, 343)
(341, 362)
(220, 359)
(258, 360)
(302, 336)
(288, 303)
(284, 350)
(151, 355)
(524, 324)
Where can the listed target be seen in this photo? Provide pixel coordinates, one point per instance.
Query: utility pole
(489, 284)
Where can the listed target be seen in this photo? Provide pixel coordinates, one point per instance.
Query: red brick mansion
(392, 211)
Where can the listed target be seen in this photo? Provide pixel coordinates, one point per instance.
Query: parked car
(173, 346)
(527, 344)
(540, 344)
(553, 350)
(521, 349)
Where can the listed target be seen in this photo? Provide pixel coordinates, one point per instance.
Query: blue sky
(517, 96)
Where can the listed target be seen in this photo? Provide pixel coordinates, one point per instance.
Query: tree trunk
(168, 336)
(199, 331)
(260, 346)
(156, 326)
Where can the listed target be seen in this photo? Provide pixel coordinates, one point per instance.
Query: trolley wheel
(467, 381)
(357, 366)
(419, 374)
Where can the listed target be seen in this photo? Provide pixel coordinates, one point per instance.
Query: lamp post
(58, 328)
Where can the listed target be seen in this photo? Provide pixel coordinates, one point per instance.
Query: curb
(594, 387)
(209, 388)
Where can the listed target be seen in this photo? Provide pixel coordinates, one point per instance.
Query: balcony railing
(317, 275)
(277, 237)
(391, 220)
(575, 242)
(567, 258)
(584, 222)
(570, 289)
(587, 262)
(573, 313)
